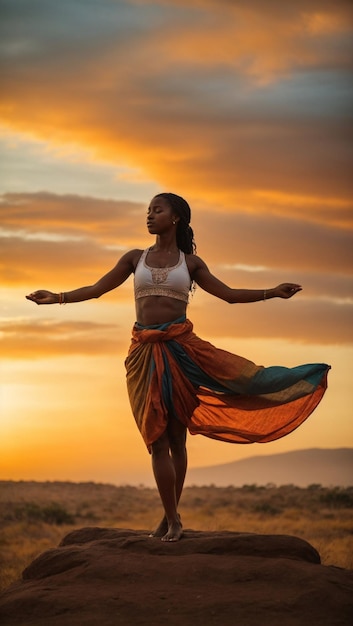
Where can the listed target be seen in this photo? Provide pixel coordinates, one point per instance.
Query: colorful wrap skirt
(172, 373)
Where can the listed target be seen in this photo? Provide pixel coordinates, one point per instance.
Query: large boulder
(114, 577)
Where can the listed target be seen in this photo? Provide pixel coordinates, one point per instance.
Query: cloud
(67, 240)
(276, 242)
(324, 286)
(31, 165)
(306, 321)
(36, 339)
(244, 111)
(220, 100)
(303, 320)
(261, 44)
(47, 235)
(51, 265)
(72, 215)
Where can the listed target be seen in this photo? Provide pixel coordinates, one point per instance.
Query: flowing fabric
(171, 372)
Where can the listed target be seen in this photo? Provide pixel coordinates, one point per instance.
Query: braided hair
(184, 232)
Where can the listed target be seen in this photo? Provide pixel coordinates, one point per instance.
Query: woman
(175, 379)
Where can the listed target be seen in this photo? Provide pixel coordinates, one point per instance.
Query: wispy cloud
(307, 321)
(46, 235)
(275, 241)
(243, 107)
(217, 99)
(33, 339)
(72, 215)
(244, 111)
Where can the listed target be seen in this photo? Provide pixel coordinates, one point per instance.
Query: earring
(174, 222)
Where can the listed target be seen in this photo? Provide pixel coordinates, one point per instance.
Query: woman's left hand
(286, 290)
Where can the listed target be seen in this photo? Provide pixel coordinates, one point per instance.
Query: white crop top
(173, 282)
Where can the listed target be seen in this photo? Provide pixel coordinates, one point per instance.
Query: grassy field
(35, 516)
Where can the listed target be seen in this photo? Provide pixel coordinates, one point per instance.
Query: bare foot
(161, 529)
(175, 531)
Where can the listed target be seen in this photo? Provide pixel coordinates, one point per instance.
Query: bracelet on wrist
(62, 298)
(265, 294)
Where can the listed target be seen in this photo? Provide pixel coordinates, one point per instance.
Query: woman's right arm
(124, 267)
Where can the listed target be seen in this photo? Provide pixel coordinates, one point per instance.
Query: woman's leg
(169, 467)
(177, 440)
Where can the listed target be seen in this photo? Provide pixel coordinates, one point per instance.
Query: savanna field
(35, 516)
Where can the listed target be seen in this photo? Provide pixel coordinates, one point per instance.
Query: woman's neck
(166, 244)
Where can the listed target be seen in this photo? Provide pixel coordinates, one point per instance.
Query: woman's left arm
(208, 282)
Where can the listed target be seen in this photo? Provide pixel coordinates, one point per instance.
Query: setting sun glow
(243, 110)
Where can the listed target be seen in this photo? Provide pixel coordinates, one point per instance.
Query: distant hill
(327, 467)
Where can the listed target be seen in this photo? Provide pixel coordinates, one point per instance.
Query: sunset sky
(242, 107)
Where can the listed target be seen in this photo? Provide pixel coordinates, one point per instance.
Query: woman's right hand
(43, 297)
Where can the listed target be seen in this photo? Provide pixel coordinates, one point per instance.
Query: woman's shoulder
(133, 256)
(194, 262)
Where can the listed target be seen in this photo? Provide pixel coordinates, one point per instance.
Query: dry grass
(35, 516)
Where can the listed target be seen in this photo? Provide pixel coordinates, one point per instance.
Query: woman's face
(160, 216)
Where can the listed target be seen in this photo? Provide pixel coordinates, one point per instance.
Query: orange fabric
(234, 416)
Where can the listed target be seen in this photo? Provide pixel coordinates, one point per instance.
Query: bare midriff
(158, 310)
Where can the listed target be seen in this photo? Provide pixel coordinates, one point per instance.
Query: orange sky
(246, 113)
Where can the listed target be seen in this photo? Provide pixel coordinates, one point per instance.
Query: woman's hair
(184, 233)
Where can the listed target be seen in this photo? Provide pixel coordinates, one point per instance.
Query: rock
(114, 577)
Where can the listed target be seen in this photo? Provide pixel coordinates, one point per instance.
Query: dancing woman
(178, 382)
